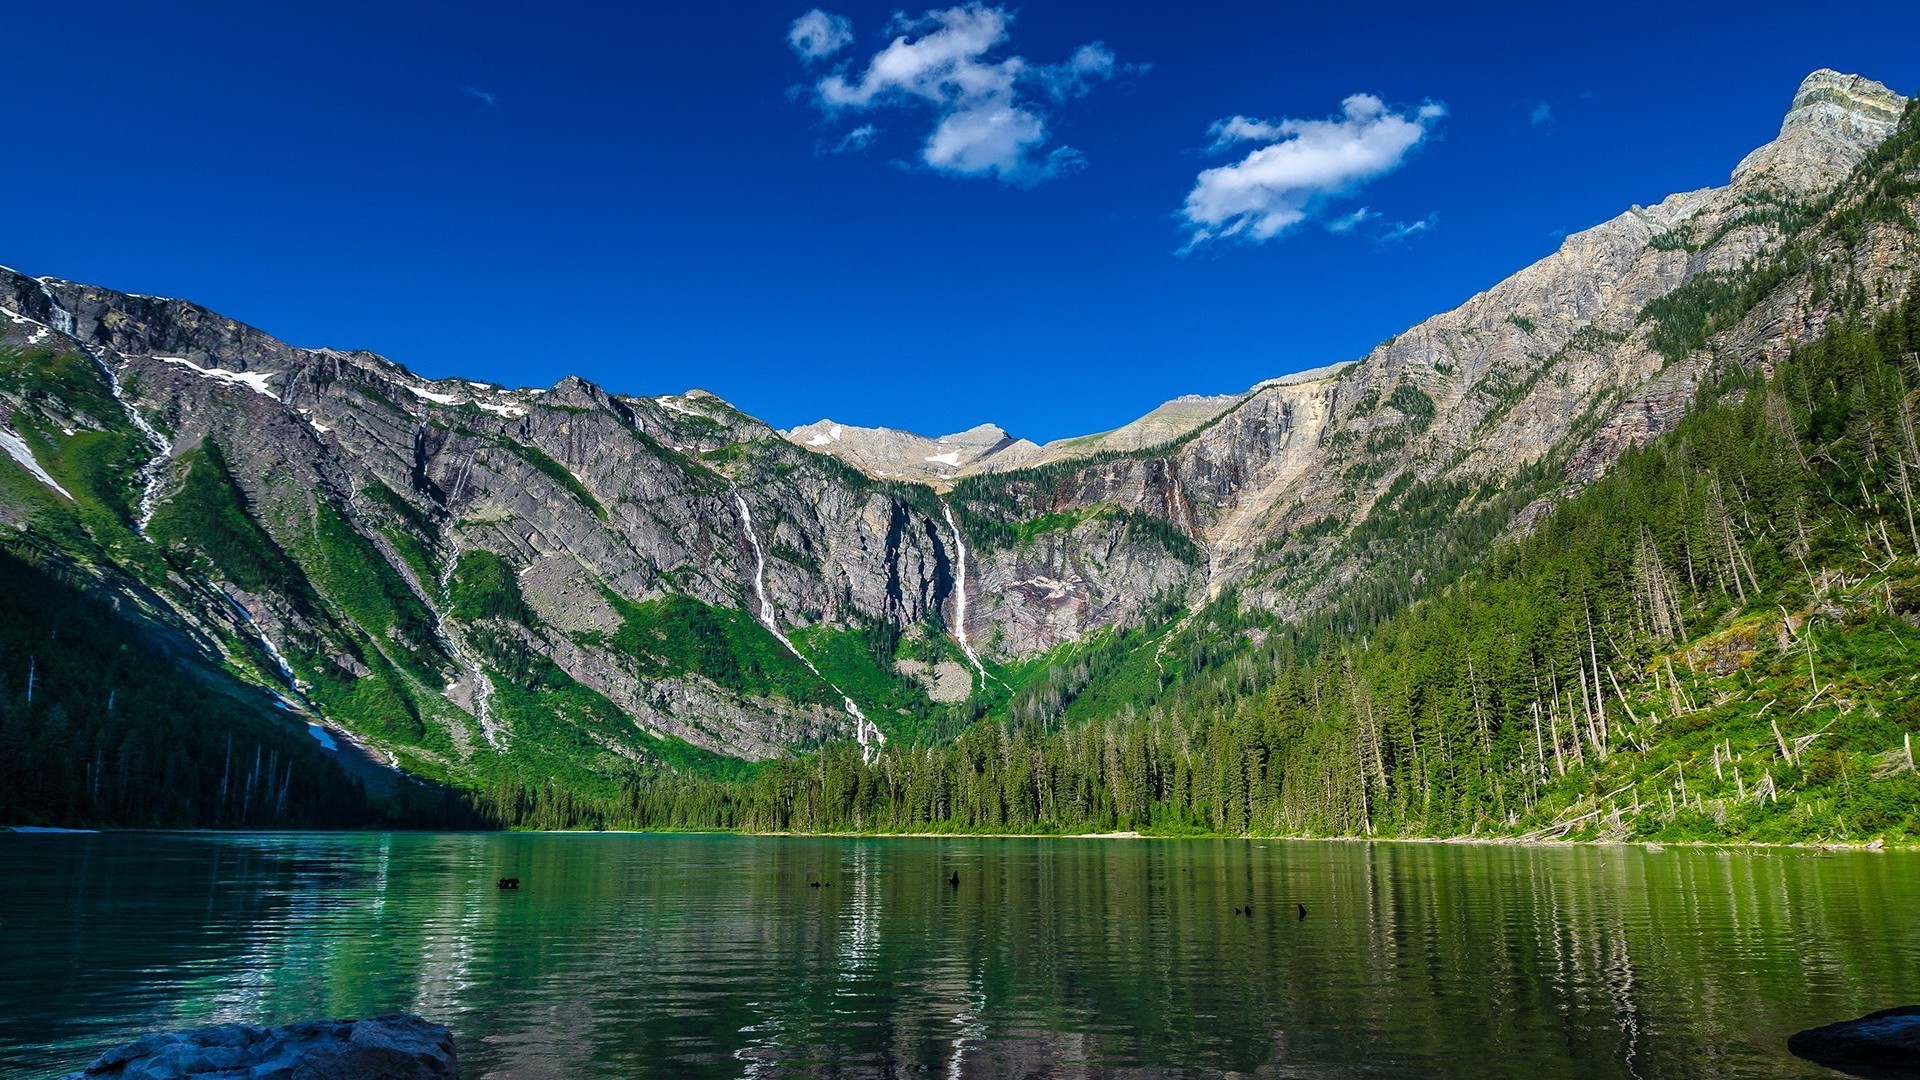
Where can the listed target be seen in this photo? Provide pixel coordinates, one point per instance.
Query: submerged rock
(1883, 1045)
(397, 1046)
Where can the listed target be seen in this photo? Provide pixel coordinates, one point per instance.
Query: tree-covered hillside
(1720, 639)
(109, 720)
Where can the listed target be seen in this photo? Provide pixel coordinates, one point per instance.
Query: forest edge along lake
(711, 955)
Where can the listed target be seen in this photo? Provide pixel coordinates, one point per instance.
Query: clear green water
(712, 955)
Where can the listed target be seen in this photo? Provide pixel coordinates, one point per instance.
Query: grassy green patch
(484, 587)
(211, 524)
(679, 635)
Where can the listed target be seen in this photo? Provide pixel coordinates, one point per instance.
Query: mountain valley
(573, 606)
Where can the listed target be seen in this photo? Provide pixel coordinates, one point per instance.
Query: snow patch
(17, 449)
(255, 381)
(1055, 588)
(437, 399)
(512, 411)
(951, 458)
(41, 331)
(819, 440)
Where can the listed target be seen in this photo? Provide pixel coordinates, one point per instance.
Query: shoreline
(1651, 846)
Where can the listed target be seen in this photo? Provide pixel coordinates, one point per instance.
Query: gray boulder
(397, 1046)
(1883, 1045)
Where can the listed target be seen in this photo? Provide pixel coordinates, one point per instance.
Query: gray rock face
(596, 501)
(1557, 359)
(888, 454)
(393, 1047)
(1884, 1044)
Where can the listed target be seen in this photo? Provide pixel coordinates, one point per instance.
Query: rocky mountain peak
(1853, 93)
(1834, 119)
(979, 435)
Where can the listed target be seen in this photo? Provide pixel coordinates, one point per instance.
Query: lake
(697, 955)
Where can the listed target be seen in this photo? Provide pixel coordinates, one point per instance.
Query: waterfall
(865, 731)
(482, 686)
(273, 652)
(960, 594)
(153, 472)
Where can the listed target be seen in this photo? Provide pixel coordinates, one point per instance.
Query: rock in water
(397, 1046)
(1883, 1044)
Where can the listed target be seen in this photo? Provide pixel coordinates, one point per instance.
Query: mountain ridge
(481, 582)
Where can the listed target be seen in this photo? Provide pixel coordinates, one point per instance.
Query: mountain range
(467, 583)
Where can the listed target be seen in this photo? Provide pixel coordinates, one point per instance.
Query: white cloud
(986, 119)
(1305, 164)
(818, 35)
(1088, 64)
(1348, 222)
(479, 95)
(1243, 129)
(856, 140)
(1542, 114)
(1400, 230)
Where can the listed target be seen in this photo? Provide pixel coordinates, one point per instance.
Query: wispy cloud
(856, 140)
(988, 113)
(818, 35)
(1541, 115)
(1402, 230)
(1348, 222)
(479, 95)
(1305, 165)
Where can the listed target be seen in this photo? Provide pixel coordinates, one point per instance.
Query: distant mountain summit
(573, 582)
(885, 453)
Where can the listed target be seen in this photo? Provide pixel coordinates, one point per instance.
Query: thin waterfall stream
(154, 471)
(960, 594)
(865, 731)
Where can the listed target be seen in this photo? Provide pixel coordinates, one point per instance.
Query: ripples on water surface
(713, 955)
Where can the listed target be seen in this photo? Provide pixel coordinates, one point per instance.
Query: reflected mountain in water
(714, 955)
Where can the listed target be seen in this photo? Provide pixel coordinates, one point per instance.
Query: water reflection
(690, 956)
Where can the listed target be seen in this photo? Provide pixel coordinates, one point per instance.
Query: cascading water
(865, 731)
(153, 473)
(960, 594)
(482, 685)
(266, 643)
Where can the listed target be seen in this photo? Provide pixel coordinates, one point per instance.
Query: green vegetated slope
(1716, 641)
(1719, 640)
(104, 721)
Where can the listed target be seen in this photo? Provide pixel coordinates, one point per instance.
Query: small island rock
(397, 1046)
(1884, 1044)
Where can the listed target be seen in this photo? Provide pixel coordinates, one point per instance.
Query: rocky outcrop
(398, 1046)
(884, 453)
(1884, 1044)
(371, 487)
(1557, 361)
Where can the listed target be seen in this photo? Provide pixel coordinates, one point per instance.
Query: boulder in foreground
(1883, 1045)
(397, 1046)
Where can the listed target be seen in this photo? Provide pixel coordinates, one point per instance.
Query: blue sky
(660, 197)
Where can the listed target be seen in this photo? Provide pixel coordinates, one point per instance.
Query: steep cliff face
(472, 578)
(1570, 360)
